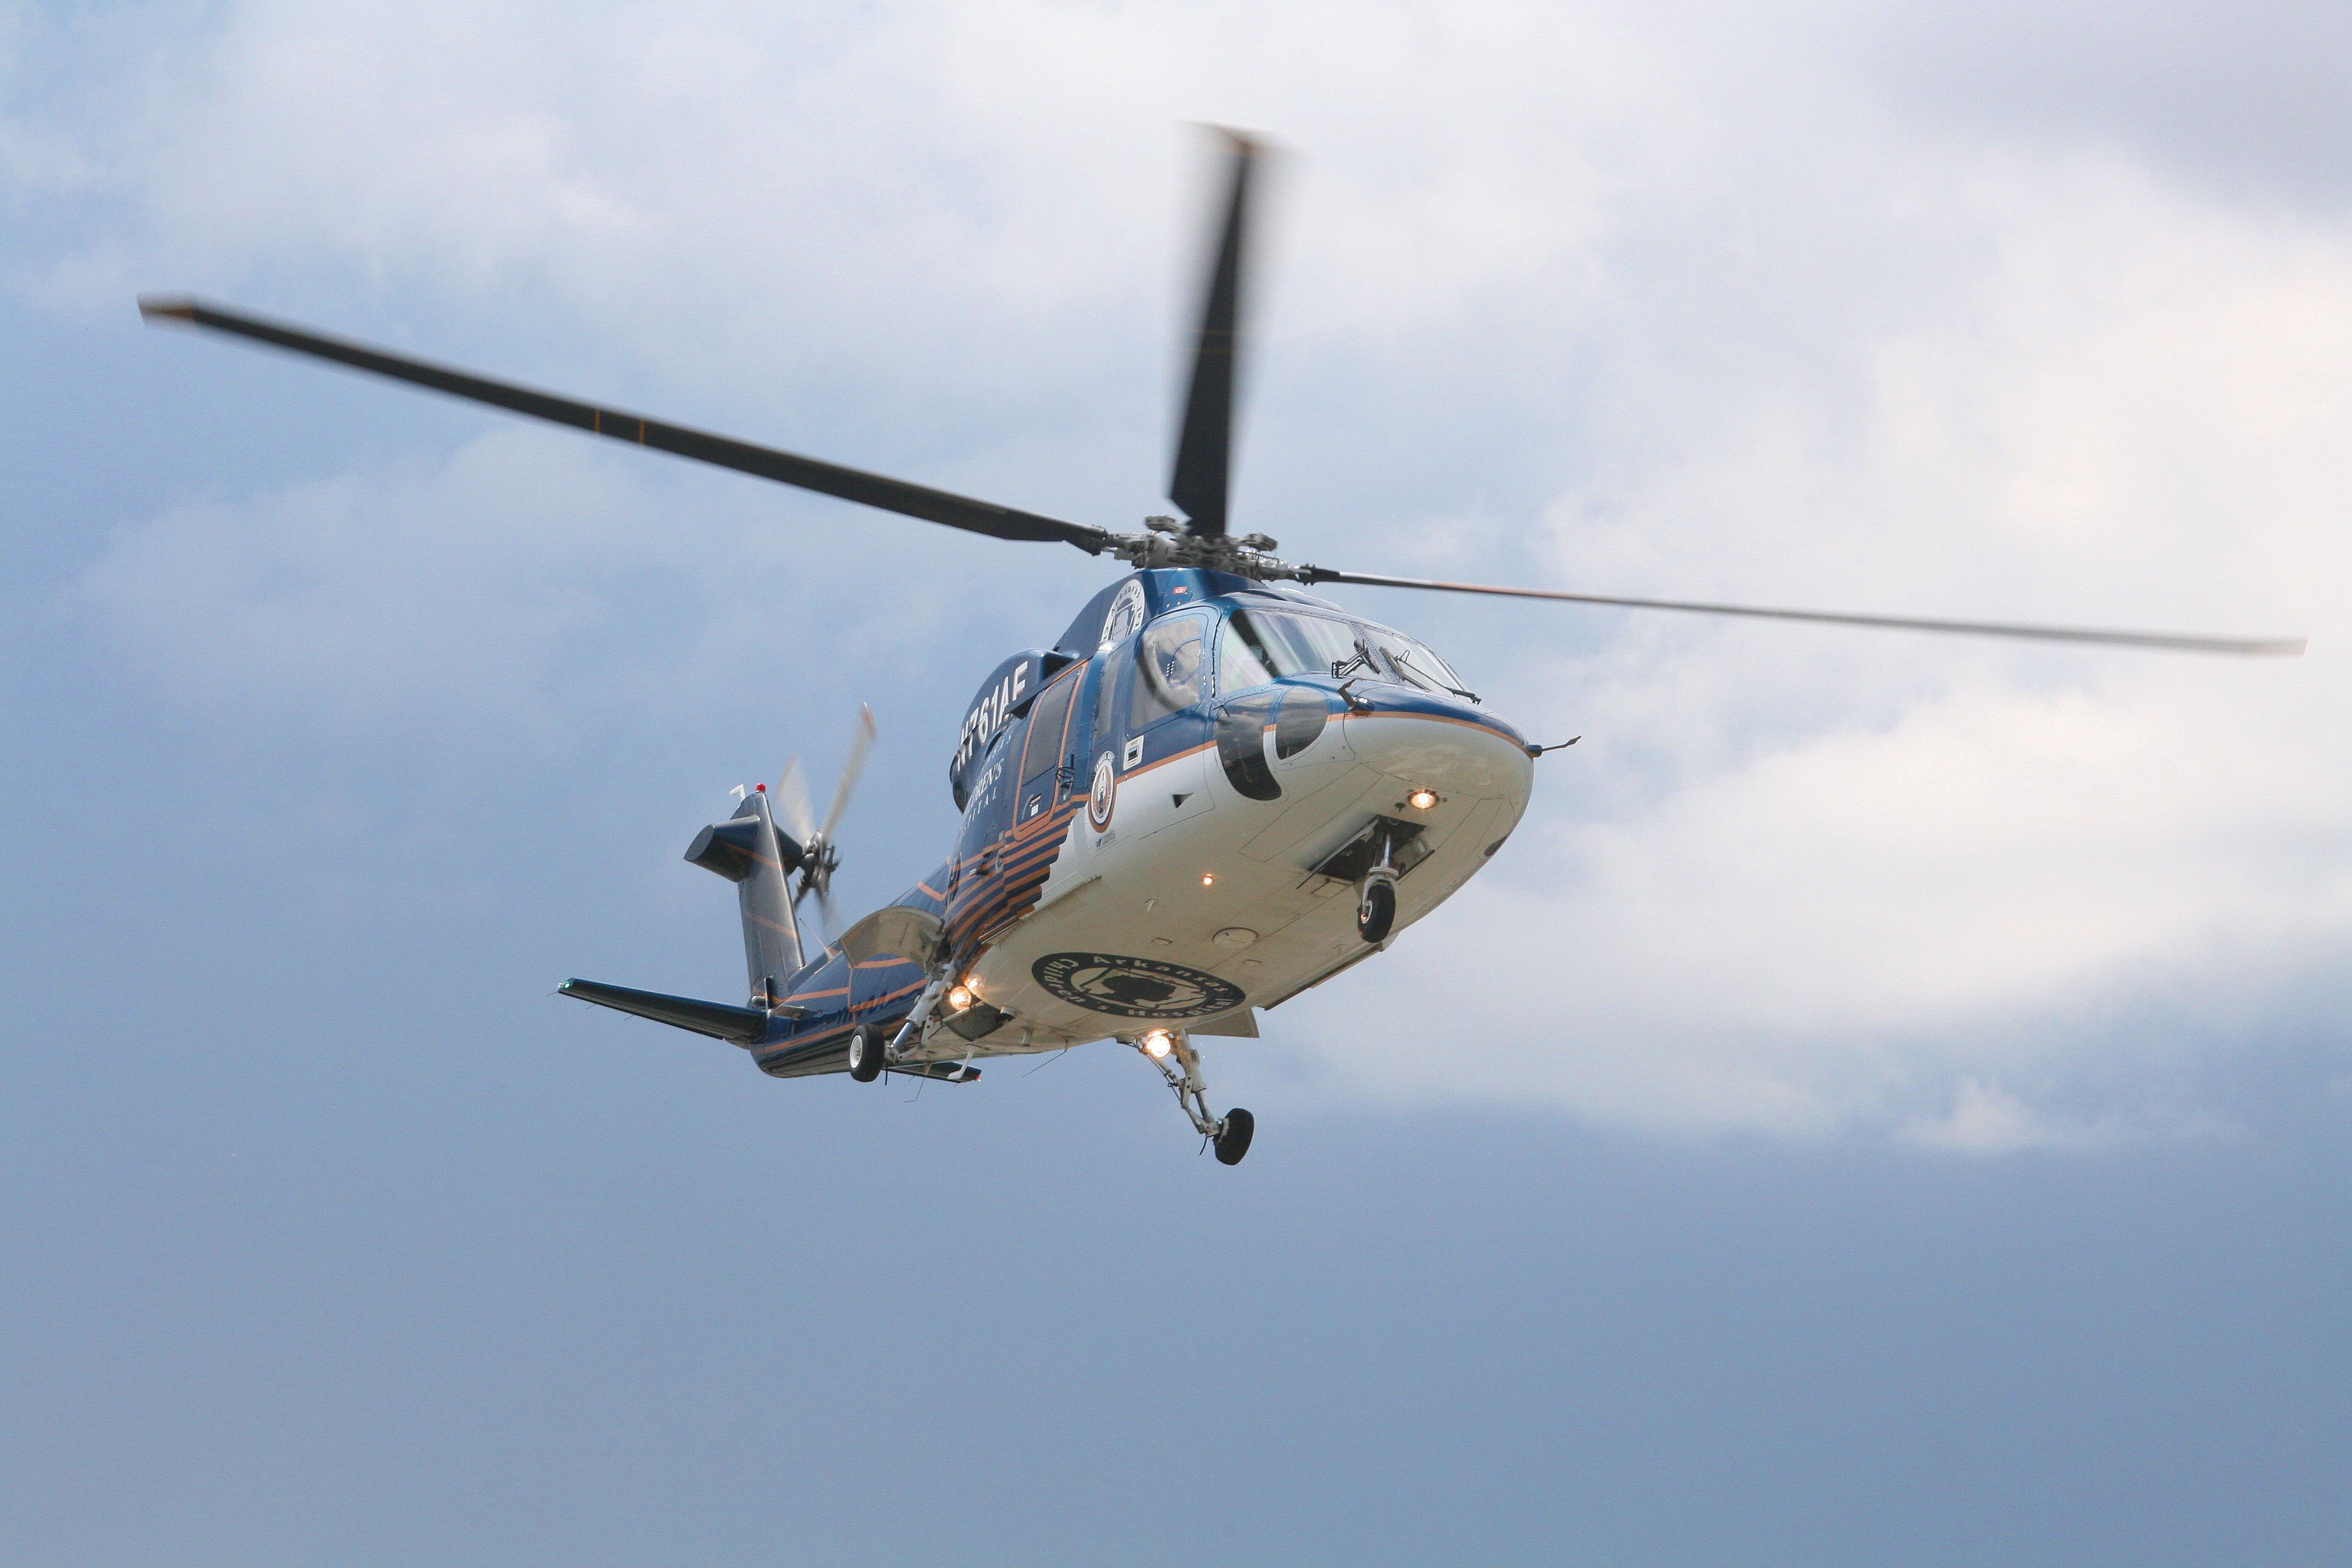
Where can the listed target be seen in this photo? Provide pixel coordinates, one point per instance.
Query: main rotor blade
(1203, 480)
(2287, 648)
(743, 457)
(858, 747)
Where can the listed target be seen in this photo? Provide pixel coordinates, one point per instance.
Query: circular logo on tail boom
(1134, 987)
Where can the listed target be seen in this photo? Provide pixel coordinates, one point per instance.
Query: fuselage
(1166, 818)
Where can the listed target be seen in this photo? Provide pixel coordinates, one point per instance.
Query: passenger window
(1168, 667)
(1046, 721)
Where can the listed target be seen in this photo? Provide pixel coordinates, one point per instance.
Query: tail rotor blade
(859, 746)
(793, 804)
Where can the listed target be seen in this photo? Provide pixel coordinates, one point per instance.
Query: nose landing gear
(1376, 908)
(1376, 903)
(1229, 1134)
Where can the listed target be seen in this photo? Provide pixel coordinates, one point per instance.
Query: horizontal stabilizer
(734, 847)
(743, 1026)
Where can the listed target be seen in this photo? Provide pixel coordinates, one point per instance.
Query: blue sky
(1889, 1104)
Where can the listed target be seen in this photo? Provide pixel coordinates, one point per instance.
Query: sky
(1889, 1103)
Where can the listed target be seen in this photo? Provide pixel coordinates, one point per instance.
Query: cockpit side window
(1107, 695)
(1293, 644)
(1170, 669)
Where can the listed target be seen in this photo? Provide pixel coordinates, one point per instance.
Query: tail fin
(759, 857)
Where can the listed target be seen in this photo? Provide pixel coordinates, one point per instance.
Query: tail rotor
(820, 851)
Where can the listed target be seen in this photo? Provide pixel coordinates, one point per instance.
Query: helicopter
(1215, 791)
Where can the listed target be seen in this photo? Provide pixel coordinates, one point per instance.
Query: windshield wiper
(1403, 661)
(1360, 658)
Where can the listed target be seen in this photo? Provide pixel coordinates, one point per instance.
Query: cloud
(1696, 301)
(418, 591)
(1985, 1119)
(1792, 882)
(2245, 103)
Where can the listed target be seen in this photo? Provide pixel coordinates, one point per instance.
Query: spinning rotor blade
(1203, 480)
(2287, 648)
(791, 804)
(744, 457)
(858, 747)
(819, 854)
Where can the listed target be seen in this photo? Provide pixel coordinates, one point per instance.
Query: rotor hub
(1165, 542)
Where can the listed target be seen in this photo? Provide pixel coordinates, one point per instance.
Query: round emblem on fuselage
(1104, 794)
(1126, 612)
(1134, 987)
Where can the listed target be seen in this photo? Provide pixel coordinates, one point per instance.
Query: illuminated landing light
(1208, 880)
(1158, 1044)
(960, 997)
(1422, 799)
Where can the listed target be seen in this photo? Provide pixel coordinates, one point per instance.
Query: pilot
(1183, 673)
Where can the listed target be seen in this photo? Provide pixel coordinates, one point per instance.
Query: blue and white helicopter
(1214, 791)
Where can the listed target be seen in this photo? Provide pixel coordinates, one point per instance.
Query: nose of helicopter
(1427, 741)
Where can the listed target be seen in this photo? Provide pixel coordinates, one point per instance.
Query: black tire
(866, 1043)
(1234, 1141)
(1376, 911)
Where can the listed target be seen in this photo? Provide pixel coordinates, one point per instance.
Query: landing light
(1422, 799)
(1208, 880)
(960, 997)
(1157, 1044)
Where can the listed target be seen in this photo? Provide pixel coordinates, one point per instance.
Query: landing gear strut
(1229, 1134)
(872, 1054)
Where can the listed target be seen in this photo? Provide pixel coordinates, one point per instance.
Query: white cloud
(1985, 1119)
(1794, 881)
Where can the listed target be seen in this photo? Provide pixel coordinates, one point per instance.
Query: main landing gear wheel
(1375, 912)
(866, 1053)
(1234, 1141)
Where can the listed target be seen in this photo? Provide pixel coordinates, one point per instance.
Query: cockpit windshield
(1259, 646)
(1412, 662)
